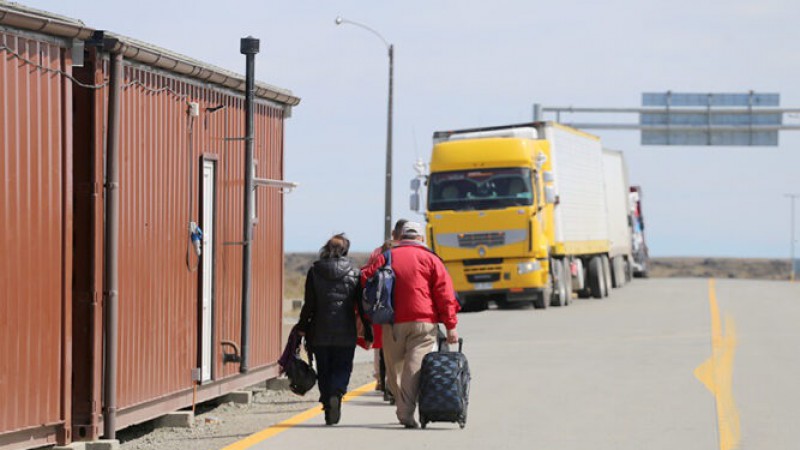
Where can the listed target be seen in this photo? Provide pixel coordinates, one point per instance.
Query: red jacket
(423, 290)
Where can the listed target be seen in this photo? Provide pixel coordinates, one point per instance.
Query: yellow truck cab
(498, 214)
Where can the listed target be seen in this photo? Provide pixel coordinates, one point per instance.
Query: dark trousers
(382, 369)
(334, 366)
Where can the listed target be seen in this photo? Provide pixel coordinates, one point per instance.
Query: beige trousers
(404, 346)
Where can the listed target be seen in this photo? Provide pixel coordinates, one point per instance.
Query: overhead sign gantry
(695, 119)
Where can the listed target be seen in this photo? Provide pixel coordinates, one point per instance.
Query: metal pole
(387, 228)
(537, 112)
(249, 47)
(792, 243)
(112, 247)
(387, 213)
(791, 263)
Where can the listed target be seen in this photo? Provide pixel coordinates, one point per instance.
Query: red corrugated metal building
(181, 160)
(35, 238)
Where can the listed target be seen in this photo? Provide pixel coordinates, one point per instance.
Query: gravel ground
(218, 425)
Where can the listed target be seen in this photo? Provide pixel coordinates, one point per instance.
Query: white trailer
(580, 211)
(580, 215)
(615, 175)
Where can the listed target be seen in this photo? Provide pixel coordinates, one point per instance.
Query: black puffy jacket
(333, 295)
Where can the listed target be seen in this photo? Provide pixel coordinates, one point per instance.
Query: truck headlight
(528, 267)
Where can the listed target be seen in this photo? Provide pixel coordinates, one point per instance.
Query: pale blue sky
(475, 63)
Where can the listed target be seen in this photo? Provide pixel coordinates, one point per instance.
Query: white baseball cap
(412, 230)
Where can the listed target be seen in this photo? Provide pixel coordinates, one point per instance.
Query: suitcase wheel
(462, 424)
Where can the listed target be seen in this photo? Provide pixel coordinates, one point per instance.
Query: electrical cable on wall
(157, 91)
(195, 233)
(55, 71)
(195, 237)
(102, 85)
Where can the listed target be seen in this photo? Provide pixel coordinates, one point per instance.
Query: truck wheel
(641, 272)
(607, 275)
(567, 282)
(628, 270)
(595, 277)
(540, 301)
(645, 271)
(618, 271)
(586, 292)
(559, 294)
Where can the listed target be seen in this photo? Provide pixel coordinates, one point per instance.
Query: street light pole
(791, 221)
(387, 216)
(387, 221)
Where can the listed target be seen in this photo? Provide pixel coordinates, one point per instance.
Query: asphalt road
(634, 371)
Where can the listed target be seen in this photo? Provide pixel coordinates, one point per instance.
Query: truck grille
(486, 238)
(472, 240)
(482, 269)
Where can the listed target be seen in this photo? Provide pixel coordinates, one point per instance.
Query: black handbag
(302, 376)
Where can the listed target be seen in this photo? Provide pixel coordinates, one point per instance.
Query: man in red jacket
(423, 297)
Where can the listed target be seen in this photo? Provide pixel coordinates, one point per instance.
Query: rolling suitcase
(444, 386)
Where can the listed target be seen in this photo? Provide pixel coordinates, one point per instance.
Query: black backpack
(378, 299)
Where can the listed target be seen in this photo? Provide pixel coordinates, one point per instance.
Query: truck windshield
(480, 189)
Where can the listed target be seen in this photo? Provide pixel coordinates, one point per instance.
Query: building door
(207, 283)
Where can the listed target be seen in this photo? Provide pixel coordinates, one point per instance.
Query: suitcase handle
(443, 342)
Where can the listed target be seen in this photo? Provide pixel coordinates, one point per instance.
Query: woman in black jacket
(328, 320)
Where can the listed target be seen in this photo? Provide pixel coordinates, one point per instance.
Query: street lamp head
(341, 20)
(388, 200)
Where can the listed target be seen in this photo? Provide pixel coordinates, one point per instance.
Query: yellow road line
(278, 428)
(716, 373)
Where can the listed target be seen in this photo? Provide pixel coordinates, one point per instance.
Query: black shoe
(335, 410)
(328, 420)
(388, 397)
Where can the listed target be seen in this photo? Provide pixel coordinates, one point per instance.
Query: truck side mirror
(550, 195)
(548, 177)
(415, 184)
(414, 201)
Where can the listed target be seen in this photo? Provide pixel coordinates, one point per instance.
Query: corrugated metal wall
(34, 187)
(159, 294)
(268, 266)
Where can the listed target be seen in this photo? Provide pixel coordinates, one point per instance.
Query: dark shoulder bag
(302, 376)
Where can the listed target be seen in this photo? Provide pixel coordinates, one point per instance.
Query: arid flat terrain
(747, 268)
(297, 264)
